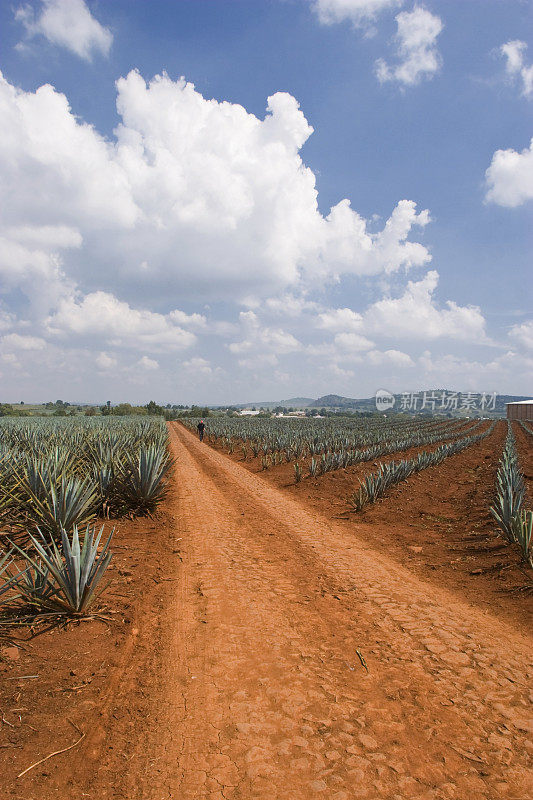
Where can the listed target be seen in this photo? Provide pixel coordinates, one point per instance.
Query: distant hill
(298, 402)
(368, 404)
(336, 401)
(293, 402)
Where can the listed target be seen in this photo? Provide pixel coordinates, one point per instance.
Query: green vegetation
(332, 443)
(515, 523)
(56, 477)
(45, 578)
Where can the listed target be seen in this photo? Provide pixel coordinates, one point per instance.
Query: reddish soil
(524, 446)
(437, 523)
(281, 653)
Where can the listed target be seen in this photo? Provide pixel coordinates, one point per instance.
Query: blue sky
(192, 254)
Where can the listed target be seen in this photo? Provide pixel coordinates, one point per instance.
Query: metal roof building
(522, 410)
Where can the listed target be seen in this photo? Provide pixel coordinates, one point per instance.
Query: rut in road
(274, 701)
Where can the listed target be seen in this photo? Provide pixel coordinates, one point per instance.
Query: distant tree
(22, 402)
(122, 410)
(60, 412)
(90, 412)
(154, 409)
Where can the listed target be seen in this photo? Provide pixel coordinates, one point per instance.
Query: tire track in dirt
(278, 704)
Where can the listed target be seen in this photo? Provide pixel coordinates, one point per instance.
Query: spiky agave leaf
(522, 531)
(143, 482)
(62, 580)
(71, 503)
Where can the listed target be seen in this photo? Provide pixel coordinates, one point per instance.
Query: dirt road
(273, 654)
(264, 688)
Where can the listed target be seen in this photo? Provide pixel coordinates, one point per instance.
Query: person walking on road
(201, 428)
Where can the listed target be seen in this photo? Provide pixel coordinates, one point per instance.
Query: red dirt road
(254, 684)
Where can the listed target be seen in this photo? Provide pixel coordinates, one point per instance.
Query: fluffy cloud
(390, 358)
(340, 319)
(265, 343)
(523, 334)
(14, 341)
(194, 196)
(417, 48)
(351, 249)
(516, 66)
(290, 305)
(66, 23)
(198, 366)
(510, 177)
(353, 342)
(358, 12)
(104, 317)
(414, 315)
(191, 199)
(105, 362)
(147, 363)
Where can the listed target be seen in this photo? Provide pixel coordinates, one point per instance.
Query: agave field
(319, 446)
(329, 444)
(57, 477)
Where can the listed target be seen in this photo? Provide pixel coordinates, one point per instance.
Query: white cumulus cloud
(418, 55)
(523, 334)
(105, 362)
(193, 197)
(265, 343)
(510, 177)
(415, 315)
(103, 316)
(147, 363)
(340, 319)
(198, 366)
(516, 65)
(66, 23)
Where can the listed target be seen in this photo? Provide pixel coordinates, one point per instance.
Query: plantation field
(263, 638)
(437, 523)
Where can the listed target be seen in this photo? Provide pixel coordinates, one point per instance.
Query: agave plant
(61, 580)
(522, 531)
(358, 499)
(143, 480)
(510, 490)
(54, 508)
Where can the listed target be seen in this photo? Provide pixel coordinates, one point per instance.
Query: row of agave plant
(348, 458)
(376, 484)
(331, 444)
(515, 523)
(56, 478)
